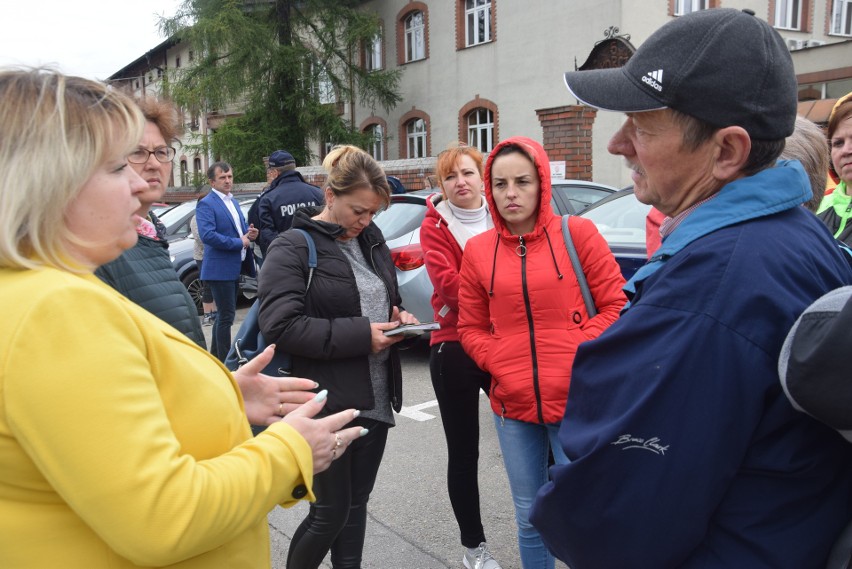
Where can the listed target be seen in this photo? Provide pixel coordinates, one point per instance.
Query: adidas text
(652, 83)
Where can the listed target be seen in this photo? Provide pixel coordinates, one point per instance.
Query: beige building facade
(483, 70)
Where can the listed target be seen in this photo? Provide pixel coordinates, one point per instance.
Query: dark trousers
(225, 297)
(337, 521)
(457, 381)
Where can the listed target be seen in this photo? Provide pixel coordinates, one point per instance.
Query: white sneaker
(479, 558)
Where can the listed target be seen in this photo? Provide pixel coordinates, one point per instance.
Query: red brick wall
(567, 135)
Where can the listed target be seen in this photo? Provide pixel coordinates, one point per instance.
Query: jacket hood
(542, 164)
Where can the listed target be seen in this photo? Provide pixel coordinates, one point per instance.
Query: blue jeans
(225, 297)
(525, 449)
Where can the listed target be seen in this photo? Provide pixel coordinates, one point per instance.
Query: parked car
(400, 225)
(181, 245)
(620, 218)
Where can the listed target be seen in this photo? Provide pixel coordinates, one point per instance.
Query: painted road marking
(414, 412)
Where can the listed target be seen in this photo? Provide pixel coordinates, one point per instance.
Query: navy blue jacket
(276, 206)
(685, 451)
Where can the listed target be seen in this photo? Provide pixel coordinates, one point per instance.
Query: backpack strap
(578, 267)
(312, 255)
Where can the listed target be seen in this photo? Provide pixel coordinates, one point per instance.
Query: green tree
(271, 68)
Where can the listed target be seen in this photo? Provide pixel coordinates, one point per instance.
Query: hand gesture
(327, 437)
(268, 398)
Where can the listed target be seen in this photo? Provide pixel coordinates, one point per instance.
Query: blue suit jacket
(222, 242)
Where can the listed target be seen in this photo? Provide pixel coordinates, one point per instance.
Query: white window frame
(477, 13)
(326, 94)
(788, 14)
(374, 53)
(377, 144)
(841, 18)
(688, 6)
(415, 36)
(415, 133)
(480, 129)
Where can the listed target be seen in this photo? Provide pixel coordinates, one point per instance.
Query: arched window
(373, 58)
(480, 129)
(415, 131)
(415, 37)
(184, 173)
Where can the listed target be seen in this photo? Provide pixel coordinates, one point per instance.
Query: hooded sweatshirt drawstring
(552, 254)
(494, 265)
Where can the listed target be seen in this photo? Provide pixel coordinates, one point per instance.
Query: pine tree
(271, 67)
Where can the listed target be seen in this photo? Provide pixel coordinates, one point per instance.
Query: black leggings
(457, 381)
(338, 519)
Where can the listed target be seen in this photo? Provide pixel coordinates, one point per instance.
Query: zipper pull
(521, 249)
(502, 415)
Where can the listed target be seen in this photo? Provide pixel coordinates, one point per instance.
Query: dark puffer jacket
(325, 332)
(145, 275)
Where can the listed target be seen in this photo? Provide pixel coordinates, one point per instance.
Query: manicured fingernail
(364, 432)
(355, 413)
(315, 385)
(321, 395)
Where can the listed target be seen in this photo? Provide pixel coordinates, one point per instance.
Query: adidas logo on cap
(654, 79)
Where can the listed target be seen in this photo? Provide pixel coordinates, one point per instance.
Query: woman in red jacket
(522, 316)
(453, 217)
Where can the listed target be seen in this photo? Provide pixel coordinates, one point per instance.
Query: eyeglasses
(163, 154)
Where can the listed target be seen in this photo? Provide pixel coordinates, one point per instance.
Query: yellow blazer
(124, 444)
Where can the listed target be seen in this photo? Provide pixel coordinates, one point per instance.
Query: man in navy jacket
(287, 193)
(227, 252)
(685, 451)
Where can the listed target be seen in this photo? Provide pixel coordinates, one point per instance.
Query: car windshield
(177, 213)
(580, 197)
(621, 221)
(400, 218)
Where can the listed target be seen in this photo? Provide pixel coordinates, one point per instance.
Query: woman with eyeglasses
(144, 273)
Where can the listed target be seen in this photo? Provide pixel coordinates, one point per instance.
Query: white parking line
(414, 412)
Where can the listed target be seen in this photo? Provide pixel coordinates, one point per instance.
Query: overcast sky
(91, 38)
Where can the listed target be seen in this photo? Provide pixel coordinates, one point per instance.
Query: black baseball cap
(723, 66)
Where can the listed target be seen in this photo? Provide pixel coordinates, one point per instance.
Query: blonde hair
(807, 144)
(350, 168)
(55, 132)
(451, 156)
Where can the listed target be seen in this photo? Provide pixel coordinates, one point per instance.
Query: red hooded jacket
(522, 318)
(443, 238)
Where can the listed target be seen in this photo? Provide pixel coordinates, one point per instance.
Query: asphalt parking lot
(410, 521)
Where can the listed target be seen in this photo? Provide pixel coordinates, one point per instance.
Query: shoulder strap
(578, 267)
(312, 255)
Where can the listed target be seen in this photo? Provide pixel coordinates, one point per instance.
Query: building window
(373, 54)
(191, 56)
(184, 173)
(325, 88)
(415, 37)
(376, 147)
(480, 129)
(477, 22)
(788, 14)
(177, 62)
(687, 6)
(196, 165)
(841, 18)
(159, 73)
(415, 132)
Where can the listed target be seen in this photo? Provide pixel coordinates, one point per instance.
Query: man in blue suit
(227, 253)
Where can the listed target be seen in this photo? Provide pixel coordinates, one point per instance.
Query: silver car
(400, 225)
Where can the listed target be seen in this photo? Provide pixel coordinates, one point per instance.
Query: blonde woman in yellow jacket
(122, 443)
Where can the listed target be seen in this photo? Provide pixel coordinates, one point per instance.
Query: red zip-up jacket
(521, 318)
(443, 238)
